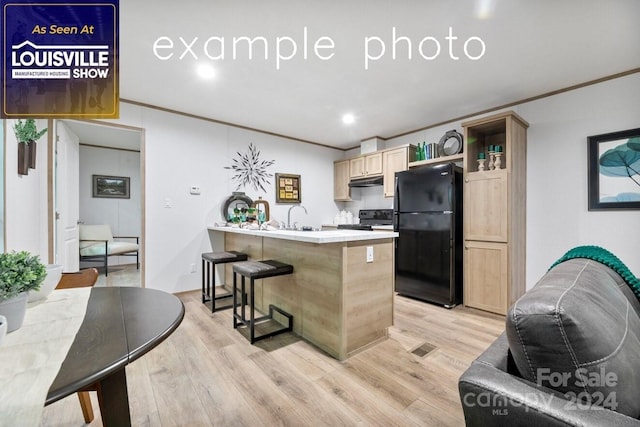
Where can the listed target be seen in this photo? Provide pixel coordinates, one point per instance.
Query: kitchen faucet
(289, 214)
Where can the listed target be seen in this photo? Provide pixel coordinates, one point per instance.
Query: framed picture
(288, 188)
(114, 187)
(614, 170)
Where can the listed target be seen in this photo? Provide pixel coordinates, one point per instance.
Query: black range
(369, 218)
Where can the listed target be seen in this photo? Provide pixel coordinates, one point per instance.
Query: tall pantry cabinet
(495, 212)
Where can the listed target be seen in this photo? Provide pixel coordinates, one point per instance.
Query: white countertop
(325, 236)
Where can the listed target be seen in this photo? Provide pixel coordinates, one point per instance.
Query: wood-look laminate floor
(119, 275)
(207, 374)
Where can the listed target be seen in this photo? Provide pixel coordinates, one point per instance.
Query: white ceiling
(532, 47)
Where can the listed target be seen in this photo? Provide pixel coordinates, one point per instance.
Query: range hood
(366, 182)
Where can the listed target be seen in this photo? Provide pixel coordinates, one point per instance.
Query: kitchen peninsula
(340, 302)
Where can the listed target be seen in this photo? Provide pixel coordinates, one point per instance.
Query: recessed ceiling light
(348, 119)
(206, 71)
(484, 8)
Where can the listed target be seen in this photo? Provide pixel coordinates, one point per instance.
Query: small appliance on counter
(370, 218)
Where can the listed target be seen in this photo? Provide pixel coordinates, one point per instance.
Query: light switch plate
(369, 253)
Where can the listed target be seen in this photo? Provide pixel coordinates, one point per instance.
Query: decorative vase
(498, 162)
(23, 158)
(32, 154)
(14, 310)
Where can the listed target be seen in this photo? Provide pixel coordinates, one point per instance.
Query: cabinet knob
(466, 180)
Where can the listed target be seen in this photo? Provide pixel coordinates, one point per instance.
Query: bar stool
(257, 270)
(209, 262)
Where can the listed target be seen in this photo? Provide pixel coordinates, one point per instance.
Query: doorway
(104, 149)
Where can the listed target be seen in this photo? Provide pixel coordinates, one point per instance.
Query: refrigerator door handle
(396, 199)
(396, 204)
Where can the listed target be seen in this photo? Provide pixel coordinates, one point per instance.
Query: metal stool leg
(203, 281)
(212, 280)
(252, 321)
(208, 280)
(235, 301)
(244, 302)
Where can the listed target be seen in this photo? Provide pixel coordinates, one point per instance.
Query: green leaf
(27, 131)
(634, 143)
(620, 161)
(20, 272)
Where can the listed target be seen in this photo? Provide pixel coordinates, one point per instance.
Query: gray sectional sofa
(570, 355)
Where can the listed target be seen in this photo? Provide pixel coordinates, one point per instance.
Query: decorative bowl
(54, 272)
(3, 327)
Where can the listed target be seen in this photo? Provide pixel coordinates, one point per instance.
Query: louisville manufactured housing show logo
(60, 60)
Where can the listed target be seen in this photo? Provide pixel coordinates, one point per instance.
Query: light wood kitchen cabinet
(486, 263)
(495, 213)
(341, 177)
(485, 199)
(366, 165)
(395, 160)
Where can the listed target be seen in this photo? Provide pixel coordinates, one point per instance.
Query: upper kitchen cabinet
(495, 211)
(378, 164)
(341, 177)
(366, 165)
(395, 160)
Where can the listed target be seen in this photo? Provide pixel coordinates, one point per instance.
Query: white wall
(557, 214)
(180, 152)
(123, 215)
(26, 198)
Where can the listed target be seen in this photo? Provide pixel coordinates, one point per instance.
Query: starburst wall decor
(250, 170)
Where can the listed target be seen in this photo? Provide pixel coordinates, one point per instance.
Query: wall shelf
(437, 160)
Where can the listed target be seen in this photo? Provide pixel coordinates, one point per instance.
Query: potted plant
(20, 272)
(27, 134)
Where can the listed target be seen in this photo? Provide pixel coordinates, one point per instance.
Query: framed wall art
(614, 170)
(113, 187)
(288, 188)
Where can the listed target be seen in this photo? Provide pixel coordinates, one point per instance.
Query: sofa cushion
(114, 248)
(578, 332)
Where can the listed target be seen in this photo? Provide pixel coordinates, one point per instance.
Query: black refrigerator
(428, 217)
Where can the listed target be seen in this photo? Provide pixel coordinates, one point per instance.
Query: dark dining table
(121, 324)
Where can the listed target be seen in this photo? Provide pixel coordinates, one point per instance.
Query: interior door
(67, 196)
